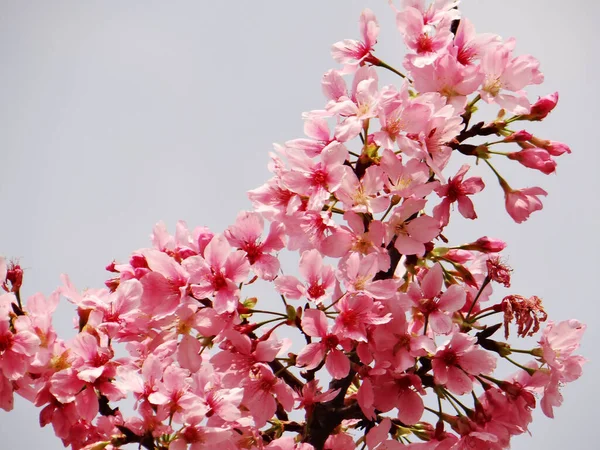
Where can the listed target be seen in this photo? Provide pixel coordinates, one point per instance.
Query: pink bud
(138, 262)
(543, 107)
(487, 245)
(519, 136)
(14, 276)
(535, 158)
(458, 255)
(557, 148)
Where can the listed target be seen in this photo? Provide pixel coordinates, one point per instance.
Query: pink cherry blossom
(245, 235)
(433, 304)
(456, 361)
(521, 203)
(352, 51)
(314, 323)
(219, 274)
(411, 233)
(319, 279)
(457, 190)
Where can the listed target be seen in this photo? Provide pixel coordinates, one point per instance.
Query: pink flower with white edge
(350, 51)
(314, 323)
(219, 274)
(398, 115)
(319, 279)
(362, 104)
(505, 73)
(522, 202)
(468, 45)
(246, 233)
(317, 129)
(458, 360)
(457, 190)
(422, 36)
(450, 78)
(409, 178)
(411, 233)
(362, 195)
(558, 343)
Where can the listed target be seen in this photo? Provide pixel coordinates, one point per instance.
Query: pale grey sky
(116, 115)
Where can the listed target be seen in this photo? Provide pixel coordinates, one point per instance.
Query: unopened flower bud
(553, 147)
(535, 158)
(138, 261)
(14, 276)
(543, 107)
(486, 245)
(111, 267)
(519, 136)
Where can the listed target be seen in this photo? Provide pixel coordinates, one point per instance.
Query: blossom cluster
(398, 327)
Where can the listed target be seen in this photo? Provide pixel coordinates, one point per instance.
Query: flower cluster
(397, 326)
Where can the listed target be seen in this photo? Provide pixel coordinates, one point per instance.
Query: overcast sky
(117, 114)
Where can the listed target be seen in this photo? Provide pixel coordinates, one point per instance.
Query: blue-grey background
(115, 115)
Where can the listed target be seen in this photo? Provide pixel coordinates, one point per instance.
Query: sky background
(115, 115)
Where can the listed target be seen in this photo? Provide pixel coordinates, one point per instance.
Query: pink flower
(458, 360)
(379, 434)
(420, 36)
(457, 190)
(352, 51)
(468, 45)
(521, 203)
(316, 179)
(502, 72)
(314, 323)
(435, 305)
(357, 273)
(319, 279)
(219, 274)
(355, 238)
(356, 313)
(245, 235)
(362, 195)
(450, 78)
(402, 391)
(164, 285)
(398, 115)
(317, 129)
(410, 179)
(16, 348)
(260, 391)
(411, 234)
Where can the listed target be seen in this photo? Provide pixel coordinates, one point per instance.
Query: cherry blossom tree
(386, 334)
